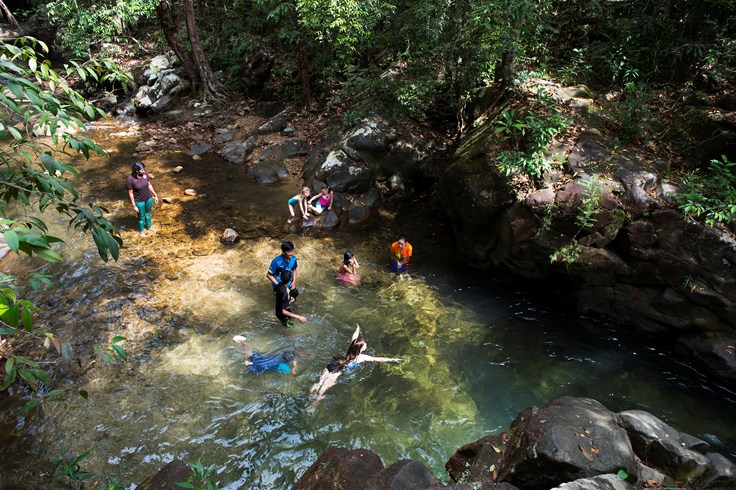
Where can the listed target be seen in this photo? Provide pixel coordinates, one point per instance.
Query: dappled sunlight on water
(476, 354)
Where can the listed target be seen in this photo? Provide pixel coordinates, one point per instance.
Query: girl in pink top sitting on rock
(324, 200)
(348, 271)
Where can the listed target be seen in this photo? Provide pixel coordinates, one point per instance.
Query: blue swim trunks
(395, 267)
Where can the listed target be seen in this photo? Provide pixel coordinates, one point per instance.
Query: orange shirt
(404, 253)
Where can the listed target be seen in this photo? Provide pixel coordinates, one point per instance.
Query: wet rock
(199, 148)
(602, 482)
(339, 468)
(568, 439)
(239, 152)
(720, 475)
(406, 474)
(268, 108)
(229, 236)
(353, 178)
(263, 173)
(661, 446)
(288, 131)
(472, 461)
(168, 477)
(166, 200)
(716, 352)
(190, 192)
(329, 220)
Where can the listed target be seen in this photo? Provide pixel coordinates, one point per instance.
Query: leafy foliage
(68, 472)
(200, 477)
(90, 23)
(525, 138)
(711, 197)
(36, 100)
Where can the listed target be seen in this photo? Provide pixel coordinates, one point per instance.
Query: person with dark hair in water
(285, 261)
(339, 364)
(348, 271)
(141, 195)
(284, 298)
(257, 363)
(401, 251)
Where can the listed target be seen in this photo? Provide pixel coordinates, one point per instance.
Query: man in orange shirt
(400, 255)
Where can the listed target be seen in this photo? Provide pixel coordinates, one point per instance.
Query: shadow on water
(478, 350)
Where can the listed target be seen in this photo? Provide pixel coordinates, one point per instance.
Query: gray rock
(166, 83)
(276, 123)
(588, 150)
(602, 482)
(660, 445)
(263, 173)
(239, 152)
(720, 475)
(224, 137)
(329, 220)
(358, 214)
(155, 67)
(229, 236)
(281, 151)
(199, 148)
(162, 104)
(567, 439)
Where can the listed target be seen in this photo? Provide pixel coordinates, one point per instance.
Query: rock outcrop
(568, 444)
(637, 259)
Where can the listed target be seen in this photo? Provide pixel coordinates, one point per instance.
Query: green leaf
(117, 339)
(11, 238)
(29, 378)
(84, 394)
(622, 474)
(184, 484)
(120, 352)
(31, 405)
(47, 254)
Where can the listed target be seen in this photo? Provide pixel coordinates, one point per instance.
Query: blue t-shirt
(280, 264)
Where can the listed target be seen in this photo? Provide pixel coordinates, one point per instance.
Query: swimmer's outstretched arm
(366, 358)
(244, 344)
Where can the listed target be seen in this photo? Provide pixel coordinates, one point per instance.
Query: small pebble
(178, 169)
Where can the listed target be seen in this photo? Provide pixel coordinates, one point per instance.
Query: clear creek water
(477, 351)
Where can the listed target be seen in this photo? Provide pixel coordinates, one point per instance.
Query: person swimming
(339, 364)
(257, 363)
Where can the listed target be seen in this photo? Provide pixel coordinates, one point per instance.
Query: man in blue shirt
(284, 262)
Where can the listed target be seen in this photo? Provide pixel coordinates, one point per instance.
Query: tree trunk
(210, 87)
(303, 66)
(163, 12)
(506, 69)
(8, 15)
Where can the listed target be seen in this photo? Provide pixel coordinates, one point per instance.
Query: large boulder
(720, 475)
(338, 468)
(602, 482)
(473, 462)
(239, 152)
(568, 439)
(404, 475)
(663, 446)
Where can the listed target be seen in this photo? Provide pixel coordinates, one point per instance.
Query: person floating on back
(257, 363)
(339, 364)
(401, 251)
(284, 298)
(348, 270)
(300, 200)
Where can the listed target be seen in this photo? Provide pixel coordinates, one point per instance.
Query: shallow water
(477, 350)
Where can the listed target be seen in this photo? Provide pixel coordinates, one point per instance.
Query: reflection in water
(476, 355)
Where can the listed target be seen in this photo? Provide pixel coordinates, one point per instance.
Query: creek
(478, 350)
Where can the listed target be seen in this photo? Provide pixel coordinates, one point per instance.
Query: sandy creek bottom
(477, 351)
